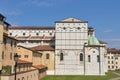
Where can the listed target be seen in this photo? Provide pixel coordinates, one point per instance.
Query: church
(69, 47)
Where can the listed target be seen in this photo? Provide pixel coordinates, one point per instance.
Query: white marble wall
(70, 38)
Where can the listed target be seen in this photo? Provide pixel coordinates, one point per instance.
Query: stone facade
(73, 57)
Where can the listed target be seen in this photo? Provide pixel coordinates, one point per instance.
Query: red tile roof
(114, 50)
(35, 37)
(39, 66)
(28, 49)
(43, 48)
(23, 62)
(6, 35)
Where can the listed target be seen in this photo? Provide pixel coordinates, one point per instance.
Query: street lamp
(16, 57)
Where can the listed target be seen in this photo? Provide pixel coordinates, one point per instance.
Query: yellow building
(29, 68)
(47, 56)
(29, 55)
(1, 39)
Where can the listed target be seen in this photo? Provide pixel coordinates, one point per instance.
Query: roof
(35, 37)
(23, 62)
(6, 35)
(40, 66)
(2, 15)
(28, 49)
(113, 50)
(92, 40)
(32, 27)
(71, 20)
(43, 48)
(90, 29)
(102, 42)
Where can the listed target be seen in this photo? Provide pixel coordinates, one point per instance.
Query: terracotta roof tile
(23, 62)
(43, 48)
(114, 50)
(39, 66)
(6, 35)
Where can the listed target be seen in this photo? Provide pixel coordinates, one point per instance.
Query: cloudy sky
(103, 15)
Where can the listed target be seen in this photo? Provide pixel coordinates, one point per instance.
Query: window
(64, 28)
(108, 62)
(10, 33)
(112, 62)
(98, 58)
(112, 67)
(15, 44)
(78, 28)
(112, 57)
(25, 56)
(116, 58)
(108, 66)
(61, 57)
(89, 59)
(23, 67)
(18, 79)
(19, 56)
(19, 67)
(47, 56)
(23, 33)
(50, 33)
(4, 40)
(3, 55)
(116, 67)
(108, 57)
(11, 43)
(116, 63)
(23, 78)
(11, 56)
(81, 57)
(37, 34)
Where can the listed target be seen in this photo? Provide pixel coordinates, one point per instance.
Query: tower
(71, 34)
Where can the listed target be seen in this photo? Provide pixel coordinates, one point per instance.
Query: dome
(93, 41)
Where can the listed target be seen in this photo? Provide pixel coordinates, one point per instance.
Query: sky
(102, 15)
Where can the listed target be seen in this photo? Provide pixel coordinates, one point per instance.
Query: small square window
(37, 34)
(25, 56)
(50, 33)
(23, 33)
(93, 51)
(10, 33)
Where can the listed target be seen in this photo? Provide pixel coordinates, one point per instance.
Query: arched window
(98, 58)
(89, 58)
(47, 56)
(61, 56)
(81, 57)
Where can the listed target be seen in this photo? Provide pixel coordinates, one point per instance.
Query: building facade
(76, 49)
(26, 70)
(113, 56)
